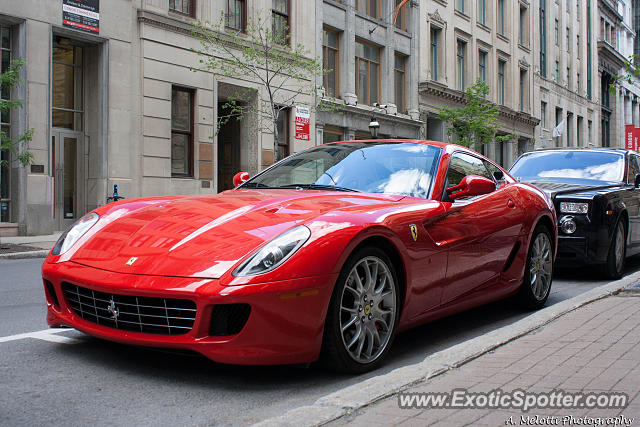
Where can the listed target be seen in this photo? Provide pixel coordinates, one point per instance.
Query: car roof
(600, 149)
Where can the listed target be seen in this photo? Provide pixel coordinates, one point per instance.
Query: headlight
(575, 208)
(74, 233)
(274, 253)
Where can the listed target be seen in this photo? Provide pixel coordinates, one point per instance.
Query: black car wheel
(363, 313)
(615, 260)
(538, 271)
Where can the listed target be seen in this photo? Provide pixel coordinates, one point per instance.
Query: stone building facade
(463, 40)
(374, 65)
(566, 77)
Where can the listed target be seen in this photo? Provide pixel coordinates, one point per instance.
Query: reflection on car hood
(554, 188)
(205, 236)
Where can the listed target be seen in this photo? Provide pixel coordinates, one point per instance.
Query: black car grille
(163, 316)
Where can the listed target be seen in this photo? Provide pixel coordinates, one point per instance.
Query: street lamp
(373, 127)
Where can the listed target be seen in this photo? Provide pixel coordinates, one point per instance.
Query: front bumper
(285, 324)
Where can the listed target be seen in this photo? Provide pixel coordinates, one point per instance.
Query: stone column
(348, 53)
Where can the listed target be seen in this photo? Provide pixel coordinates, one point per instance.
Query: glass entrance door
(67, 177)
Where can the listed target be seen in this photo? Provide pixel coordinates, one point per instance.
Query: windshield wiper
(319, 187)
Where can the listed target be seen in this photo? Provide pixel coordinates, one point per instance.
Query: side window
(634, 169)
(461, 165)
(496, 173)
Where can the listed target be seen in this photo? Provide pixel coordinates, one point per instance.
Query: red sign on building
(629, 139)
(303, 118)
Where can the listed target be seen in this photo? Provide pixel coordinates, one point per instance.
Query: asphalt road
(80, 380)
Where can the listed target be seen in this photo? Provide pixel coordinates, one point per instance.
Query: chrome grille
(164, 316)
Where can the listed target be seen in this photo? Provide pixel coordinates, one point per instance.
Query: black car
(596, 195)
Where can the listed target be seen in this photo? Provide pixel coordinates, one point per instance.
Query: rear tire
(614, 267)
(538, 272)
(363, 313)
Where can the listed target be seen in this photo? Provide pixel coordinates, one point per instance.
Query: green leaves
(474, 123)
(18, 147)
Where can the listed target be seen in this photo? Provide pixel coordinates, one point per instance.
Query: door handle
(511, 205)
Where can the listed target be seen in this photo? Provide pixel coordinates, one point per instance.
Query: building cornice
(445, 93)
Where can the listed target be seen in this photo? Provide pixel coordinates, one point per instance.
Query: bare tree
(264, 54)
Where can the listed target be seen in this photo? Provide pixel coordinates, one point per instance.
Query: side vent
(512, 256)
(228, 319)
(51, 293)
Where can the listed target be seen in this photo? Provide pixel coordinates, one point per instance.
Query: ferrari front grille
(163, 316)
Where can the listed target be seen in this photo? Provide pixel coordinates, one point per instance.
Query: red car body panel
(465, 254)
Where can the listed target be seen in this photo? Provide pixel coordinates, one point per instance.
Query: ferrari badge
(414, 231)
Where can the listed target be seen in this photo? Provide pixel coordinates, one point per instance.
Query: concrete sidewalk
(594, 348)
(27, 246)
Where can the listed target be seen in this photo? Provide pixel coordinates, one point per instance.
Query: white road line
(45, 335)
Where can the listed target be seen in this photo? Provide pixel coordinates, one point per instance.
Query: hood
(203, 237)
(555, 188)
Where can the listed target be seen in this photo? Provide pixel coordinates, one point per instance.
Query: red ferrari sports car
(325, 255)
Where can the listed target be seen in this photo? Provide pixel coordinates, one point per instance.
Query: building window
(579, 125)
(66, 87)
(435, 38)
(523, 90)
(589, 130)
(568, 40)
(568, 80)
(400, 79)
(482, 65)
(569, 125)
(577, 45)
(558, 120)
(185, 7)
(367, 73)
(401, 20)
(460, 65)
(236, 15)
(181, 132)
(588, 22)
(501, 77)
(501, 17)
(283, 134)
(557, 72)
(331, 61)
(543, 115)
(556, 29)
(524, 27)
(5, 122)
(332, 134)
(460, 5)
(369, 7)
(543, 38)
(482, 12)
(280, 21)
(578, 82)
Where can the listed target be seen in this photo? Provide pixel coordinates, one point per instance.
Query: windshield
(389, 168)
(577, 165)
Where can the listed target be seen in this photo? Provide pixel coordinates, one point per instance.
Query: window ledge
(502, 37)
(181, 16)
(483, 27)
(442, 2)
(463, 15)
(524, 47)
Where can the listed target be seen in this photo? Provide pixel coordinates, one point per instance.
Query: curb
(22, 255)
(348, 400)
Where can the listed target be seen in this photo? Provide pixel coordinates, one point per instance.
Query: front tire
(538, 272)
(614, 267)
(363, 313)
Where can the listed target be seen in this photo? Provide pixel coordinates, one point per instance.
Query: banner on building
(303, 119)
(629, 137)
(636, 139)
(82, 15)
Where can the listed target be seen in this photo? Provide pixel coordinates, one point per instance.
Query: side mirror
(240, 178)
(471, 185)
(637, 181)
